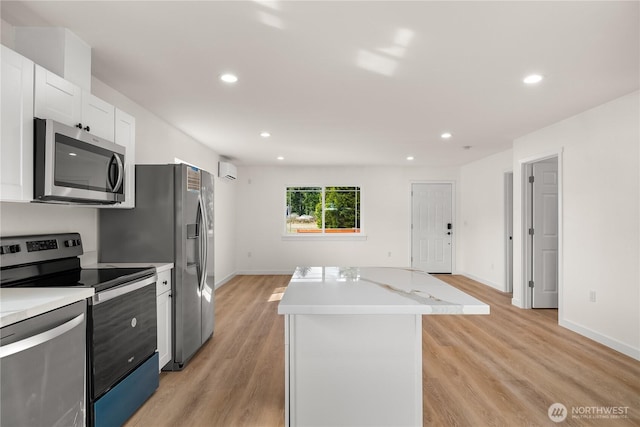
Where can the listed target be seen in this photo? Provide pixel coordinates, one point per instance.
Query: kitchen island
(353, 343)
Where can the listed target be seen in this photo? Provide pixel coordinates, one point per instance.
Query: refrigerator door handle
(203, 246)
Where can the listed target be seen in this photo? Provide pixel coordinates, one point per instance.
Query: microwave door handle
(120, 173)
(109, 180)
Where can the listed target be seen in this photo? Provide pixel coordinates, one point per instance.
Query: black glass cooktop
(98, 278)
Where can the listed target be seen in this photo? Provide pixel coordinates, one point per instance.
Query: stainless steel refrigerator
(172, 222)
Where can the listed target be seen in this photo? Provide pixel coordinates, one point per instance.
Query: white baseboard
(264, 272)
(225, 280)
(483, 281)
(602, 339)
(252, 273)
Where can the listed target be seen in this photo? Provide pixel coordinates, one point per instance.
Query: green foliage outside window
(323, 209)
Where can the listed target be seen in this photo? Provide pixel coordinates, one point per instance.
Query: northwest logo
(557, 412)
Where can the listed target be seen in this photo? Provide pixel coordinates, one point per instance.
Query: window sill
(326, 236)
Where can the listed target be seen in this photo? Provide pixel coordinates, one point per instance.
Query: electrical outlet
(592, 296)
(389, 254)
(248, 254)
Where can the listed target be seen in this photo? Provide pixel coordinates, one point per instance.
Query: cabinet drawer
(164, 282)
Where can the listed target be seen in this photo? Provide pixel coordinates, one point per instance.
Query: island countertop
(373, 290)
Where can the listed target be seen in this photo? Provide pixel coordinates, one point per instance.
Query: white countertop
(159, 266)
(373, 290)
(17, 304)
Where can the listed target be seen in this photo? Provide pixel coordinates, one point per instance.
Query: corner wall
(481, 226)
(599, 218)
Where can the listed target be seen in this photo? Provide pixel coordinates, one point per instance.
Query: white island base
(353, 370)
(353, 343)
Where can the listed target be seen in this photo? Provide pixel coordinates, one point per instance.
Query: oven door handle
(41, 338)
(112, 293)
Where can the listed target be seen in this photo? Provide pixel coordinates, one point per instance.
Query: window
(322, 210)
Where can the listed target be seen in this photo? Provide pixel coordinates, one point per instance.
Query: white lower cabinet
(163, 293)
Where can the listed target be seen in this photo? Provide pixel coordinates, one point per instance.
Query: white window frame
(323, 235)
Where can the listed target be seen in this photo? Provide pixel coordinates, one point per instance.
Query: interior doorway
(508, 231)
(541, 213)
(432, 227)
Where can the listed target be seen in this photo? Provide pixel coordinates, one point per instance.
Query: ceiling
(355, 83)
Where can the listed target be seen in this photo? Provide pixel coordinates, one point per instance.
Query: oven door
(43, 369)
(123, 332)
(73, 165)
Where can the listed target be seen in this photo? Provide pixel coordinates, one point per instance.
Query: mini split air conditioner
(227, 170)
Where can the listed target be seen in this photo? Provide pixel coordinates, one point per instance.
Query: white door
(432, 227)
(545, 234)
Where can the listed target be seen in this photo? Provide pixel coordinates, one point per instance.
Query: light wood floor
(504, 369)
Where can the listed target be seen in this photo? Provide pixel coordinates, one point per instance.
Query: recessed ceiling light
(410, 157)
(533, 79)
(265, 134)
(446, 135)
(229, 78)
(280, 158)
(73, 154)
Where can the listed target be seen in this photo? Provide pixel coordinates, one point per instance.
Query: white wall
(385, 209)
(156, 142)
(481, 228)
(600, 186)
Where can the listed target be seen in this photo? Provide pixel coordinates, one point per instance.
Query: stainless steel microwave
(72, 165)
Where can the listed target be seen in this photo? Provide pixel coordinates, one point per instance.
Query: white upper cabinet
(29, 90)
(62, 101)
(57, 98)
(16, 125)
(98, 116)
(125, 135)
